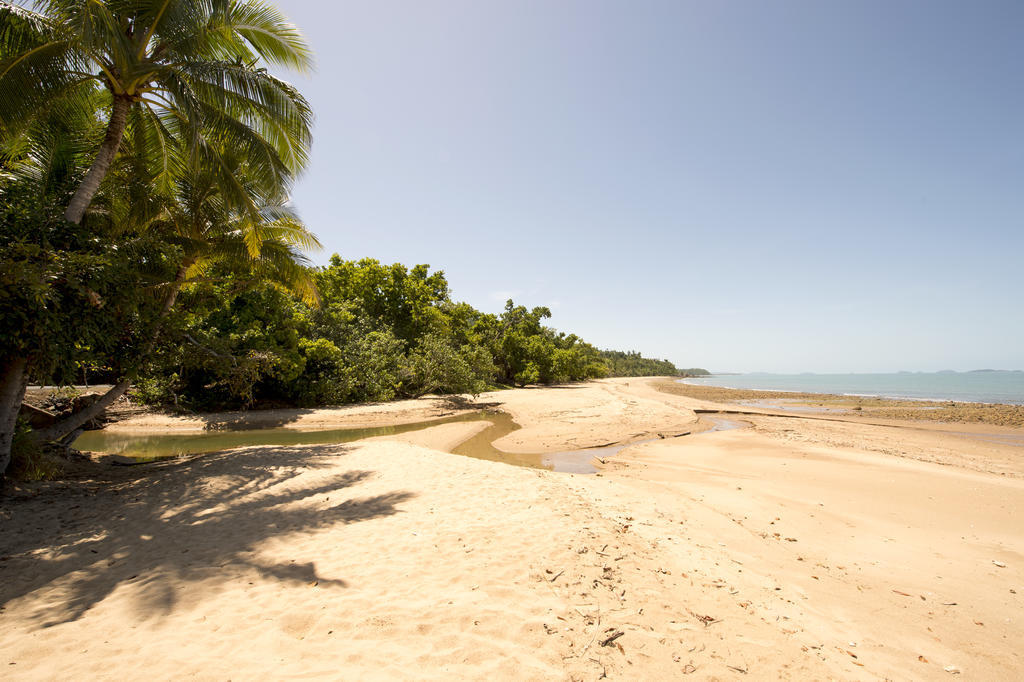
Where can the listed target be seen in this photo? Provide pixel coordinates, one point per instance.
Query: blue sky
(751, 186)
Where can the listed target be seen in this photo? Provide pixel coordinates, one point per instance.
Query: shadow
(252, 419)
(167, 524)
(463, 403)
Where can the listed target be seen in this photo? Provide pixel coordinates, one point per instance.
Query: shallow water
(152, 447)
(138, 449)
(978, 387)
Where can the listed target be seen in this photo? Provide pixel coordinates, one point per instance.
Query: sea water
(983, 386)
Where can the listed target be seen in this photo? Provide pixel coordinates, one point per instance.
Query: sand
(794, 548)
(321, 418)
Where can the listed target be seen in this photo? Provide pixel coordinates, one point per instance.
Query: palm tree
(187, 75)
(211, 227)
(38, 172)
(190, 68)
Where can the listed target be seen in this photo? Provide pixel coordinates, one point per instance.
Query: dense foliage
(143, 145)
(379, 332)
(632, 364)
(146, 235)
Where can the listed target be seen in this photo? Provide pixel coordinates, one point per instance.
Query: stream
(130, 448)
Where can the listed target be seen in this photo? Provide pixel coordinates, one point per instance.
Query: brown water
(151, 447)
(138, 449)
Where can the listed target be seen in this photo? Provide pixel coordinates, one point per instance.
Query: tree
(191, 69)
(404, 300)
(63, 290)
(438, 366)
(210, 226)
(185, 74)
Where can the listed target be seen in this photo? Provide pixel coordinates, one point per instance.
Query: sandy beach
(796, 546)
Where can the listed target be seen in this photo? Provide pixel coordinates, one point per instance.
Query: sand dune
(772, 552)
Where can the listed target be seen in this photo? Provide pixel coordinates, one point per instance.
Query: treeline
(632, 364)
(147, 237)
(377, 332)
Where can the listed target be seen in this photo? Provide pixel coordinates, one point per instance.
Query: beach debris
(949, 603)
(610, 639)
(905, 594)
(952, 670)
(555, 577)
(1000, 564)
(689, 669)
(922, 659)
(707, 620)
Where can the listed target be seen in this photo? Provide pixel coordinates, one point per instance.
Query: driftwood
(36, 417)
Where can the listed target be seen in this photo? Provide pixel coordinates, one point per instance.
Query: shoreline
(941, 411)
(794, 548)
(688, 381)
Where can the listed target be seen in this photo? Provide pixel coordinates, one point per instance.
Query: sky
(781, 186)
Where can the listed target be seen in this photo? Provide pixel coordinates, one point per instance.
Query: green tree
(64, 292)
(405, 300)
(190, 69)
(438, 366)
(209, 226)
(188, 78)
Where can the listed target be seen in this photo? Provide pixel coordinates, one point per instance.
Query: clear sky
(752, 186)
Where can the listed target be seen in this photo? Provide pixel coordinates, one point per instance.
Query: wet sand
(796, 548)
(991, 414)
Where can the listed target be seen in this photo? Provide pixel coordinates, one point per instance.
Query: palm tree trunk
(13, 380)
(69, 425)
(111, 141)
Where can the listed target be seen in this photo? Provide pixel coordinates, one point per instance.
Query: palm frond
(239, 30)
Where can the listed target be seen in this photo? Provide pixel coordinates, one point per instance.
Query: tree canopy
(147, 236)
(379, 332)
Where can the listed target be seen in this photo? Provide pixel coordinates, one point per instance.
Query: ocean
(983, 386)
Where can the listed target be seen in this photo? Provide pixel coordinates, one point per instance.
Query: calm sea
(978, 387)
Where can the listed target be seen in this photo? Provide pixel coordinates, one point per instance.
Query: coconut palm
(190, 68)
(186, 75)
(44, 312)
(210, 228)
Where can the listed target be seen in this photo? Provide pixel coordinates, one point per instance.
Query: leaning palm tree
(42, 256)
(190, 68)
(186, 73)
(237, 228)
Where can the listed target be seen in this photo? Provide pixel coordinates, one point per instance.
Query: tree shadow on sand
(253, 419)
(164, 525)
